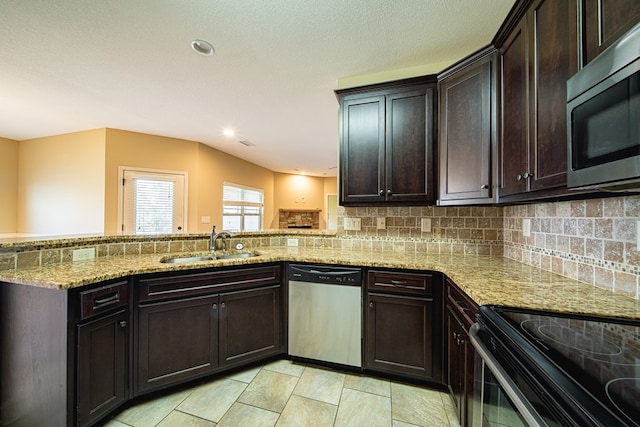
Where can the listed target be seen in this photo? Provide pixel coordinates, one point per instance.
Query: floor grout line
(442, 408)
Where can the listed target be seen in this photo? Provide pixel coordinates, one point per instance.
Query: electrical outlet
(425, 225)
(205, 219)
(380, 223)
(292, 242)
(83, 254)
(352, 224)
(526, 227)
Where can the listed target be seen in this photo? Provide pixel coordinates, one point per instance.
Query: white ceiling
(72, 65)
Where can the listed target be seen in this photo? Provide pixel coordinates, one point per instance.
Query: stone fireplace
(299, 218)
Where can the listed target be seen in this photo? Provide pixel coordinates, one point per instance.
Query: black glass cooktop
(596, 358)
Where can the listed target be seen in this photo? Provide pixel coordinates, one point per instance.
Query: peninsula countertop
(486, 279)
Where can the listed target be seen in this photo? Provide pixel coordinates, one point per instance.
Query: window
(242, 208)
(153, 202)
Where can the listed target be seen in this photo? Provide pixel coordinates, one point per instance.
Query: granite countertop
(487, 280)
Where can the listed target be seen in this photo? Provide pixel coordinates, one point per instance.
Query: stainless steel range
(552, 369)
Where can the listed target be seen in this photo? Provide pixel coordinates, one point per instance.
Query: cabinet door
(399, 335)
(362, 150)
(177, 341)
(604, 21)
(409, 146)
(553, 58)
(457, 363)
(102, 367)
(466, 134)
(250, 325)
(514, 113)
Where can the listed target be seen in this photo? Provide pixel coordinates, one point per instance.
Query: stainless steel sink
(207, 257)
(188, 259)
(231, 256)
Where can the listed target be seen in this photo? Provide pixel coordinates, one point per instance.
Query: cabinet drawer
(390, 281)
(184, 285)
(461, 304)
(103, 299)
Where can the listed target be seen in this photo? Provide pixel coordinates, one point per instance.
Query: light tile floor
(285, 393)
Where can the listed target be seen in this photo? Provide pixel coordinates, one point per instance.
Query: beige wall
(61, 184)
(299, 192)
(139, 150)
(216, 168)
(8, 185)
(68, 184)
(207, 169)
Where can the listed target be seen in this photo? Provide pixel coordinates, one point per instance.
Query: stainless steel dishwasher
(325, 313)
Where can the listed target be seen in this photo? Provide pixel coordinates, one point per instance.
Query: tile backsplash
(463, 230)
(593, 240)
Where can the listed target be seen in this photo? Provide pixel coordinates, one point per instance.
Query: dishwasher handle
(325, 274)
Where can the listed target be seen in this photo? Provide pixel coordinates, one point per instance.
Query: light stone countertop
(487, 280)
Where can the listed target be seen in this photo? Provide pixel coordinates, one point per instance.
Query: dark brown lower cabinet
(399, 335)
(249, 325)
(459, 364)
(72, 357)
(177, 341)
(461, 313)
(102, 366)
(403, 324)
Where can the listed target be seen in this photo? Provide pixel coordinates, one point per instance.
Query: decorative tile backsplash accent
(593, 240)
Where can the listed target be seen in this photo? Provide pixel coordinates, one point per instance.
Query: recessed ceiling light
(229, 132)
(203, 47)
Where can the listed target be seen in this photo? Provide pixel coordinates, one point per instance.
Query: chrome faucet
(224, 235)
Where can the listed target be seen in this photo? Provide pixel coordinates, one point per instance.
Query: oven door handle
(519, 400)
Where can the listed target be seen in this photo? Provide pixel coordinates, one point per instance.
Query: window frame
(243, 205)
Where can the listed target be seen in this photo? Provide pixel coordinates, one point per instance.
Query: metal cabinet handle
(381, 192)
(97, 302)
(371, 304)
(214, 306)
(223, 305)
(527, 175)
(123, 323)
(519, 177)
(484, 186)
(399, 282)
(389, 192)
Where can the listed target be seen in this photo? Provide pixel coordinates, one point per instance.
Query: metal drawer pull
(399, 282)
(123, 323)
(371, 304)
(223, 305)
(106, 301)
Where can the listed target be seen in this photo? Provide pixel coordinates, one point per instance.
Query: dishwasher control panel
(325, 274)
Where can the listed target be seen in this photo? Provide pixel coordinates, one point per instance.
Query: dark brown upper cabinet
(603, 22)
(538, 52)
(386, 143)
(467, 126)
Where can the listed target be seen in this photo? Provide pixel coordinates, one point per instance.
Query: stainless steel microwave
(603, 119)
